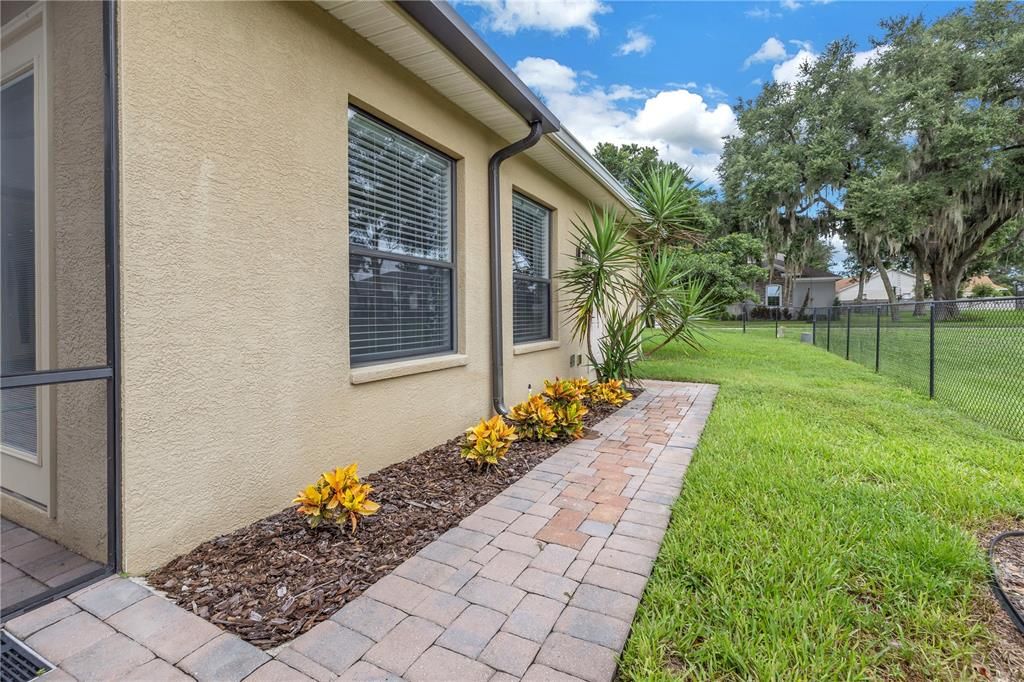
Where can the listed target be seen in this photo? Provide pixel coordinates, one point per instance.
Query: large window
(401, 268)
(773, 295)
(531, 270)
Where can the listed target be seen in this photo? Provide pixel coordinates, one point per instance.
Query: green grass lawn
(825, 530)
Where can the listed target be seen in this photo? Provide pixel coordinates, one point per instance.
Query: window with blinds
(531, 270)
(401, 268)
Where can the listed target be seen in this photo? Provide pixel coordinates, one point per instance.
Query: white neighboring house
(874, 289)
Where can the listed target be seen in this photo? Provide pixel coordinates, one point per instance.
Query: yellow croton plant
(337, 496)
(488, 441)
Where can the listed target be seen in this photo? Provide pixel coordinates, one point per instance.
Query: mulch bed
(1005, 657)
(275, 579)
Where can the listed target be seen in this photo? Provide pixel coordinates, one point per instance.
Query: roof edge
(441, 21)
(444, 23)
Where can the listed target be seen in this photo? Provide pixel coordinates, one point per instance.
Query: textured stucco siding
(237, 388)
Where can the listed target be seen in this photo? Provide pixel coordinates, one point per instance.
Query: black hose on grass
(997, 588)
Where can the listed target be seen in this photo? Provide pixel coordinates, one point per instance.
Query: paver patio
(541, 583)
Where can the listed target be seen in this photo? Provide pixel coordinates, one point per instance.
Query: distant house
(813, 288)
(874, 289)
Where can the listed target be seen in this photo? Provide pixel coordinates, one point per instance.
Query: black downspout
(494, 222)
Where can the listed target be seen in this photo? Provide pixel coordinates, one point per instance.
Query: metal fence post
(931, 352)
(878, 335)
(814, 326)
(778, 314)
(743, 316)
(849, 319)
(828, 331)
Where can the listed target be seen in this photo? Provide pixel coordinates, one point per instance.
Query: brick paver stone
(534, 617)
(276, 671)
(67, 637)
(510, 654)
(366, 672)
(492, 594)
(604, 601)
(332, 646)
(157, 670)
(471, 631)
(165, 629)
(369, 617)
(305, 665)
(227, 658)
(634, 563)
(586, 660)
(111, 658)
(397, 591)
(37, 619)
(554, 559)
(446, 553)
(505, 567)
(403, 645)
(542, 673)
(441, 608)
(110, 596)
(593, 627)
(441, 665)
(425, 571)
(548, 585)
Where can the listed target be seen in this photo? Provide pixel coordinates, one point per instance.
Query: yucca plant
(621, 346)
(668, 208)
(606, 258)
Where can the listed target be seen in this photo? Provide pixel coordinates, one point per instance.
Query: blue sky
(667, 73)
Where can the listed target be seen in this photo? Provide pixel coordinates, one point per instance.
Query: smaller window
(531, 271)
(773, 295)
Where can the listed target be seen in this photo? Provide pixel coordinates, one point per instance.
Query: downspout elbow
(494, 223)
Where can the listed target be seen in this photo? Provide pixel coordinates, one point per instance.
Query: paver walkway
(541, 583)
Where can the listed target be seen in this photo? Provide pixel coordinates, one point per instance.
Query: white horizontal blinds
(400, 192)
(400, 242)
(531, 270)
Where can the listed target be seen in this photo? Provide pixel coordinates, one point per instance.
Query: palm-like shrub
(631, 276)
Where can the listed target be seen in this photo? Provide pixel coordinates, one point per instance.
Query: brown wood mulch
(1004, 659)
(275, 579)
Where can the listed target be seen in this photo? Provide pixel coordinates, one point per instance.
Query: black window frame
(450, 265)
(548, 334)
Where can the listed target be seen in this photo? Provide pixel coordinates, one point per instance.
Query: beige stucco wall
(237, 388)
(77, 326)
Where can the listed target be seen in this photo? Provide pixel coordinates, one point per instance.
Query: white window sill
(536, 347)
(401, 368)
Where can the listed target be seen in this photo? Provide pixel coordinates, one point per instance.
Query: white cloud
(771, 50)
(688, 85)
(714, 93)
(681, 124)
(790, 4)
(637, 42)
(546, 76)
(556, 16)
(762, 13)
(789, 70)
(861, 59)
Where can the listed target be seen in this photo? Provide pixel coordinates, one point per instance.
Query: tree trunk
(889, 293)
(860, 285)
(918, 288)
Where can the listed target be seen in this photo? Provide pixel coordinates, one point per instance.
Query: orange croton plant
(337, 496)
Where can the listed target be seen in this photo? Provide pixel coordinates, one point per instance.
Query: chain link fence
(968, 353)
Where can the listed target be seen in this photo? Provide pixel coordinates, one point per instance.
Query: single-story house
(812, 288)
(247, 242)
(874, 289)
